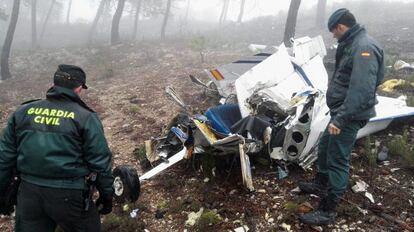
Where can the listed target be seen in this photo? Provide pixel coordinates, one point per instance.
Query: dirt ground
(127, 85)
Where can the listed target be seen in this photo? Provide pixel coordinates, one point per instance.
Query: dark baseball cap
(335, 17)
(70, 76)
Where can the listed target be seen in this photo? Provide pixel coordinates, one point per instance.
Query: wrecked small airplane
(273, 102)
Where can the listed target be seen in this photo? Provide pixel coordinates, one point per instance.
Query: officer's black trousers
(42, 209)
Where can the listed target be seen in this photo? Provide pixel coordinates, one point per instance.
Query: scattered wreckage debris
(272, 103)
(402, 65)
(390, 86)
(361, 187)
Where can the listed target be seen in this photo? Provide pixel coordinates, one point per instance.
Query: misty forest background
(47, 24)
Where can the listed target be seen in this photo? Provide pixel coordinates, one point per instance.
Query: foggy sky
(209, 10)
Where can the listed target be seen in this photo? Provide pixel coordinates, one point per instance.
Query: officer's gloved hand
(106, 202)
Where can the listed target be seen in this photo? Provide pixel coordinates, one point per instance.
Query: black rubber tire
(131, 188)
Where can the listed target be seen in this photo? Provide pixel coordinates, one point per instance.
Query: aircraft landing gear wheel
(126, 184)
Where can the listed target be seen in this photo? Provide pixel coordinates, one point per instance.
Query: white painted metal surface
(162, 166)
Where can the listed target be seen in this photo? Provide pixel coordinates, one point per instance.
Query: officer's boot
(325, 214)
(318, 186)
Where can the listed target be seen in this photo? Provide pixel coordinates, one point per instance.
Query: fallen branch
(379, 212)
(402, 224)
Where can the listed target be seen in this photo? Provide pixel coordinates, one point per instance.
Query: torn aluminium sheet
(277, 79)
(281, 76)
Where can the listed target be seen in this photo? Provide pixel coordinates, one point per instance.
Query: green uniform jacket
(359, 69)
(56, 143)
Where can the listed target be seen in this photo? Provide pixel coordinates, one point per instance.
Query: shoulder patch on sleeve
(365, 54)
(30, 101)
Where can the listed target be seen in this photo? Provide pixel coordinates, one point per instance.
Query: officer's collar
(57, 92)
(351, 33)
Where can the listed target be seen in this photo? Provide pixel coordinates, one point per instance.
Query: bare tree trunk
(291, 22)
(46, 20)
(320, 14)
(187, 11)
(166, 16)
(68, 14)
(5, 54)
(184, 21)
(240, 18)
(97, 17)
(34, 23)
(138, 9)
(3, 15)
(115, 39)
(224, 10)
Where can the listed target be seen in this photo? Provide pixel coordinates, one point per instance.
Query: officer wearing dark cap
(351, 97)
(70, 76)
(55, 145)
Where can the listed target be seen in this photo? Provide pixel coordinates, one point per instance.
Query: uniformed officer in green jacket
(55, 144)
(351, 97)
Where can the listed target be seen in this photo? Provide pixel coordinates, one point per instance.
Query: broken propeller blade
(208, 86)
(171, 92)
(196, 81)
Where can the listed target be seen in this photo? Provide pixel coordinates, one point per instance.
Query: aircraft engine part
(296, 137)
(262, 104)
